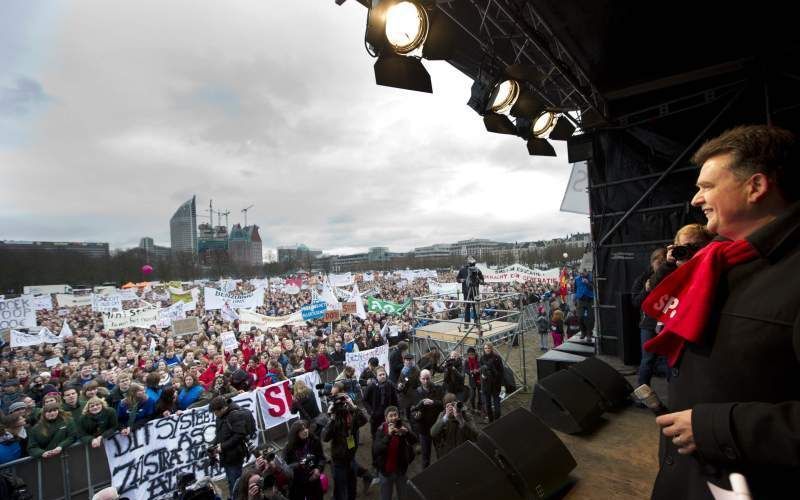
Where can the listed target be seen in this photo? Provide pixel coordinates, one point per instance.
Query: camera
(213, 459)
(309, 461)
(684, 252)
(339, 403)
(402, 386)
(451, 363)
(460, 406)
(189, 488)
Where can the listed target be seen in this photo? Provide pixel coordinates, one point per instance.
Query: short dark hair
(218, 403)
(765, 149)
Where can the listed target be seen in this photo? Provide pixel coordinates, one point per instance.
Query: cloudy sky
(114, 113)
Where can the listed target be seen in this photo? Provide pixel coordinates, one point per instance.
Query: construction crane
(226, 213)
(244, 210)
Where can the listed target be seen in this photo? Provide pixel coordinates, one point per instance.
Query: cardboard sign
(349, 308)
(188, 326)
(332, 315)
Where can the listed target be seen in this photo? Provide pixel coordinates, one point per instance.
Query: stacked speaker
(516, 457)
(573, 399)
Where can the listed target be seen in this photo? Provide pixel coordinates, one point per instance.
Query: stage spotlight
(401, 72)
(504, 96)
(543, 124)
(499, 124)
(406, 27)
(562, 129)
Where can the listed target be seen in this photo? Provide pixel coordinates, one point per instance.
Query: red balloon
(147, 269)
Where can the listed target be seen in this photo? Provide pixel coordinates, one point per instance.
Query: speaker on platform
(607, 381)
(466, 473)
(628, 318)
(520, 443)
(565, 402)
(552, 361)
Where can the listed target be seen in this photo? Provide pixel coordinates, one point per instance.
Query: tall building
(153, 251)
(183, 228)
(244, 245)
(53, 247)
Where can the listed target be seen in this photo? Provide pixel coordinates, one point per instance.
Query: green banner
(386, 307)
(181, 297)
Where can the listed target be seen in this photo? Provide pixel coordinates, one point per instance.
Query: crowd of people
(99, 382)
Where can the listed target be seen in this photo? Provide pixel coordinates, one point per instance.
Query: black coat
(378, 397)
(395, 365)
(405, 452)
(337, 431)
(232, 435)
(428, 413)
(492, 373)
(741, 381)
(638, 294)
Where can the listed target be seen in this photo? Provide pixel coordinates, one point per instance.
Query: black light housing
(540, 147)
(434, 41)
(562, 130)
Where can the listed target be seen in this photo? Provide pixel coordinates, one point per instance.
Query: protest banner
(23, 339)
(169, 314)
(229, 342)
(249, 319)
(444, 288)
(276, 400)
(332, 316)
(70, 300)
(146, 463)
(106, 303)
(345, 279)
(43, 302)
(386, 307)
(49, 363)
(315, 310)
(188, 326)
(349, 308)
(142, 317)
(17, 313)
(215, 299)
(291, 289)
(359, 360)
(128, 294)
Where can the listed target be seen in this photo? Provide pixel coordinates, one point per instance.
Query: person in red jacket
(217, 367)
(317, 361)
(257, 372)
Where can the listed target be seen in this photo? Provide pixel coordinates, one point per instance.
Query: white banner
(145, 464)
(519, 277)
(17, 313)
(358, 360)
(576, 196)
(229, 342)
(444, 288)
(43, 302)
(22, 339)
(128, 294)
(417, 274)
(276, 400)
(249, 319)
(215, 299)
(69, 300)
(142, 317)
(169, 314)
(106, 303)
(345, 279)
(291, 290)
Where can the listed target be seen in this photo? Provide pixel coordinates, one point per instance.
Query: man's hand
(314, 475)
(678, 426)
(96, 442)
(427, 402)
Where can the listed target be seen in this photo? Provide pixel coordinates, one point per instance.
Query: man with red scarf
(731, 325)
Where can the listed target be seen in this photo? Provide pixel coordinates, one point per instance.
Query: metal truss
(513, 32)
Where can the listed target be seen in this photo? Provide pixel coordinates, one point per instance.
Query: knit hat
(19, 405)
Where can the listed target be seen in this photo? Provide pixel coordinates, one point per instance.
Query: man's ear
(758, 186)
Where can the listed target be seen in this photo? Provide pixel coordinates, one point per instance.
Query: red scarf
(683, 300)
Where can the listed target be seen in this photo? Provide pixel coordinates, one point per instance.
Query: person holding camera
(454, 377)
(453, 427)
(253, 486)
(304, 454)
(378, 397)
(342, 433)
(491, 380)
(472, 367)
(392, 452)
(471, 278)
(425, 411)
(230, 442)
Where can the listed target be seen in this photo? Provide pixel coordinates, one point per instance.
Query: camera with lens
(684, 252)
(309, 461)
(324, 390)
(402, 385)
(339, 403)
(213, 458)
(460, 406)
(189, 488)
(452, 363)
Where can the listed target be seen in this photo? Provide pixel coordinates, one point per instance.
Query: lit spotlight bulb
(543, 124)
(503, 97)
(406, 26)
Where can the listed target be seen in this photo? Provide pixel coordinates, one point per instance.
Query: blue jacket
(144, 410)
(584, 290)
(188, 397)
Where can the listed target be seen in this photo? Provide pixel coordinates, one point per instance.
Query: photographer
(230, 443)
(470, 278)
(396, 361)
(392, 452)
(253, 486)
(472, 366)
(304, 454)
(351, 384)
(342, 433)
(454, 377)
(425, 411)
(378, 397)
(407, 384)
(453, 427)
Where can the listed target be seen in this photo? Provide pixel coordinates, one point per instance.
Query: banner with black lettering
(146, 463)
(216, 299)
(276, 400)
(17, 313)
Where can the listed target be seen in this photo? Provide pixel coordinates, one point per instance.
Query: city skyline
(257, 114)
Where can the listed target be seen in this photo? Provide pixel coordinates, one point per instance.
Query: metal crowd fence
(80, 471)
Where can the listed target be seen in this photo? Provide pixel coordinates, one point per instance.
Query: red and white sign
(276, 400)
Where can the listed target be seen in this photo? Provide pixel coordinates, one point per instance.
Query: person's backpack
(249, 423)
(13, 488)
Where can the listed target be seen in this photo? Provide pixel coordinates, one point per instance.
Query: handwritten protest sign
(315, 310)
(359, 360)
(142, 317)
(17, 313)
